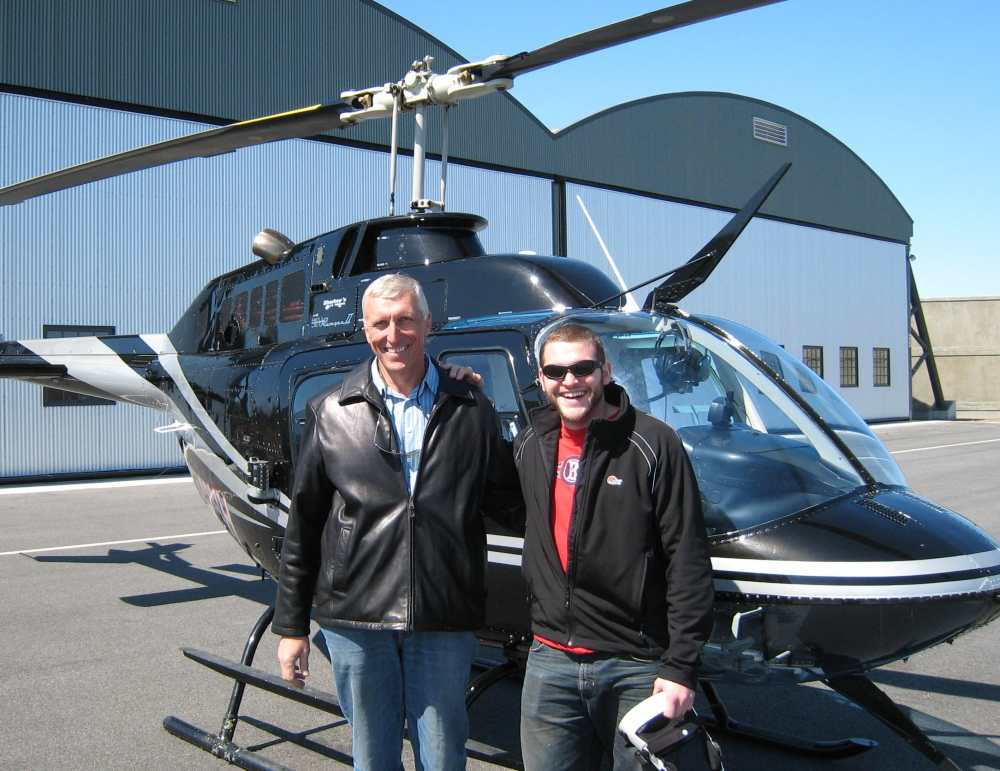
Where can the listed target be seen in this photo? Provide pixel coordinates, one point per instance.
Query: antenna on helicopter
(693, 273)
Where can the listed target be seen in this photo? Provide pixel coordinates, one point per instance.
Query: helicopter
(826, 564)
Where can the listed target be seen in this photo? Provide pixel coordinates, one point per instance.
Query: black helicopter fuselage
(825, 562)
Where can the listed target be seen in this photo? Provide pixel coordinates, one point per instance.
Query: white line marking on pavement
(56, 487)
(113, 543)
(944, 446)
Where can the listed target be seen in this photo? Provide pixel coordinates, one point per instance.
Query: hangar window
(880, 367)
(771, 359)
(768, 131)
(848, 367)
(812, 357)
(56, 397)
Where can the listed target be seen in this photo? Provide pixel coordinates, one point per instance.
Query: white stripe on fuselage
(847, 591)
(92, 362)
(168, 356)
(170, 360)
(848, 570)
(851, 575)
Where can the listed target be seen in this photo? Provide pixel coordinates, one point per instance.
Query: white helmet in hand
(678, 744)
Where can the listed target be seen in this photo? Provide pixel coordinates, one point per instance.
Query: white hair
(395, 285)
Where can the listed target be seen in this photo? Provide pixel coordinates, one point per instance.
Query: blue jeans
(571, 700)
(384, 678)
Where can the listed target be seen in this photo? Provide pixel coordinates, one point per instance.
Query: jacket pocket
(339, 558)
(637, 600)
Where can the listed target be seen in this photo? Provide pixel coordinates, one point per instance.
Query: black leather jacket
(639, 578)
(358, 545)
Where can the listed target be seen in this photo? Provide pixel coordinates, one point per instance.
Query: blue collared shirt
(409, 417)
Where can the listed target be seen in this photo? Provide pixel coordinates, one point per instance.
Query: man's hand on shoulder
(679, 699)
(460, 372)
(293, 655)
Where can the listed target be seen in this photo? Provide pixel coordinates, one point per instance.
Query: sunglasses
(579, 369)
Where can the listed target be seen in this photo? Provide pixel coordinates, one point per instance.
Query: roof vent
(766, 131)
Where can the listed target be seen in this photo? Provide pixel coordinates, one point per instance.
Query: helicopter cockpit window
(831, 408)
(343, 251)
(399, 247)
(498, 384)
(757, 454)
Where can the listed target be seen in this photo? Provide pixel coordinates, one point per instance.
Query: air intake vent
(766, 131)
(888, 512)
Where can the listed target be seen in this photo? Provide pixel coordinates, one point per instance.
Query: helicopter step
(221, 744)
(858, 689)
(722, 724)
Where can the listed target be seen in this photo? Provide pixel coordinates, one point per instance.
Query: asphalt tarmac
(103, 583)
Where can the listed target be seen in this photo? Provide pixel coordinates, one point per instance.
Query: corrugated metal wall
(133, 252)
(250, 58)
(773, 281)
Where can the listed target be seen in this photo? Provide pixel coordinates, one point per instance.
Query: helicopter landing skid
(722, 724)
(866, 694)
(221, 744)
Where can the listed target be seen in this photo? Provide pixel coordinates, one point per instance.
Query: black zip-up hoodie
(639, 578)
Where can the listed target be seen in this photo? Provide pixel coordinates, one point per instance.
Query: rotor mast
(419, 89)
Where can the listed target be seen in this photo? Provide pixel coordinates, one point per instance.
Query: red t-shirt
(563, 491)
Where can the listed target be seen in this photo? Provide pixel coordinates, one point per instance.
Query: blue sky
(911, 86)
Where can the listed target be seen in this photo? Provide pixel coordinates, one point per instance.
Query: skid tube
(722, 724)
(221, 744)
(870, 697)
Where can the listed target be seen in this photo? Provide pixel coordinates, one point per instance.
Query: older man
(398, 465)
(615, 556)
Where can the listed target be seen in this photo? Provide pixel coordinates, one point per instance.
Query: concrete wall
(965, 335)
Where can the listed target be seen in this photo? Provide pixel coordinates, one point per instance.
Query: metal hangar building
(822, 271)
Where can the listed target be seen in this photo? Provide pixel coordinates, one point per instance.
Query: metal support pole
(394, 156)
(419, 146)
(924, 341)
(444, 156)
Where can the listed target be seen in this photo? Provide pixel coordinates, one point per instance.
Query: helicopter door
(498, 384)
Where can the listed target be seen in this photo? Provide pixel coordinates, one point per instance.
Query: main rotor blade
(297, 124)
(622, 32)
(700, 267)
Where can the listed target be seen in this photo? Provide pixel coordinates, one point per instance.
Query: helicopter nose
(866, 581)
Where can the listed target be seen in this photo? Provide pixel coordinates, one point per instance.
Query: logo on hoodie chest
(568, 470)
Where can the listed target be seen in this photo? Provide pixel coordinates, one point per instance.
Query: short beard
(590, 414)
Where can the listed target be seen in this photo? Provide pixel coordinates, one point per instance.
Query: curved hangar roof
(224, 61)
(719, 148)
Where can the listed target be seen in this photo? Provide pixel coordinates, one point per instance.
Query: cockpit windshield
(757, 454)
